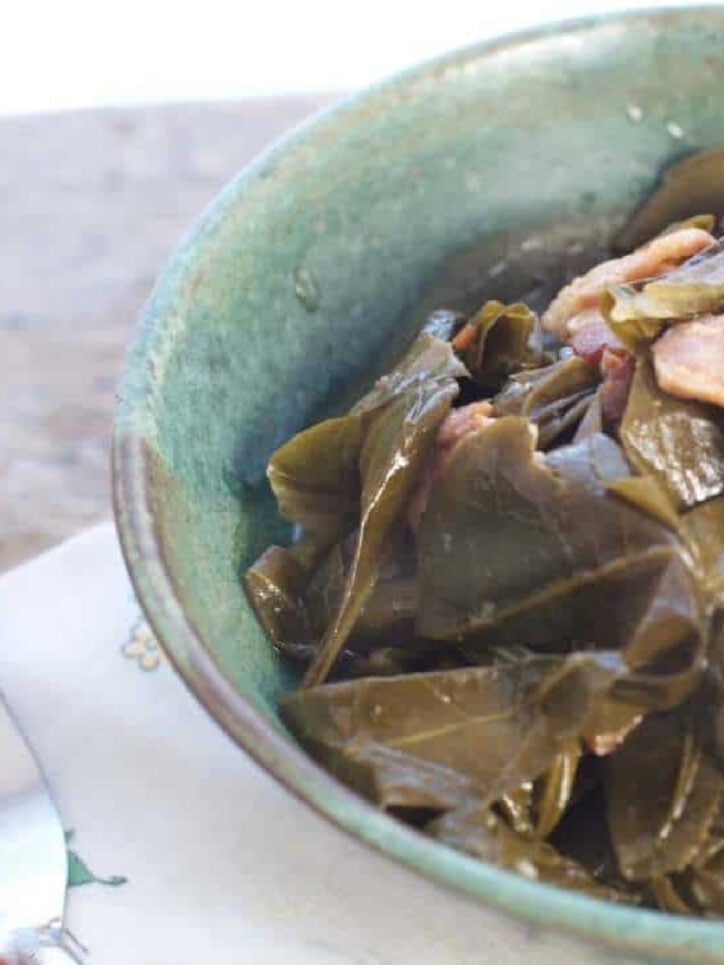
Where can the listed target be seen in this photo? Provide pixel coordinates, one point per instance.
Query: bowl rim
(632, 929)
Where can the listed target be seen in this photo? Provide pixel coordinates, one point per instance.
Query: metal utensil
(33, 858)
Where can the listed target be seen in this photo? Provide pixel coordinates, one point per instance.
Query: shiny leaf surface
(485, 730)
(518, 547)
(679, 443)
(554, 398)
(275, 587)
(636, 313)
(508, 594)
(676, 789)
(480, 832)
(496, 343)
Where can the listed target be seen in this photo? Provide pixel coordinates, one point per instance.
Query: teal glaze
(299, 283)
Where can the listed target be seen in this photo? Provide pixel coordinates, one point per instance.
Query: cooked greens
(506, 598)
(678, 442)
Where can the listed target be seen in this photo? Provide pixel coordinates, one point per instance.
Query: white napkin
(222, 864)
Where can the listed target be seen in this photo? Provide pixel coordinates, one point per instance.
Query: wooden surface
(91, 205)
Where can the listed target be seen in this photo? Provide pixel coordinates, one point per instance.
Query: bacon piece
(456, 425)
(652, 259)
(464, 338)
(689, 360)
(617, 369)
(592, 340)
(460, 422)
(589, 335)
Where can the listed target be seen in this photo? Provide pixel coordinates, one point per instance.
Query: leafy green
(621, 306)
(275, 587)
(555, 787)
(398, 445)
(703, 530)
(480, 832)
(517, 807)
(703, 883)
(515, 546)
(637, 312)
(677, 790)
(436, 739)
(554, 398)
(592, 421)
(668, 898)
(677, 442)
(511, 615)
(647, 494)
(360, 470)
(316, 476)
(389, 610)
(498, 345)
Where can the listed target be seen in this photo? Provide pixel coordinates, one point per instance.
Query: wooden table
(91, 205)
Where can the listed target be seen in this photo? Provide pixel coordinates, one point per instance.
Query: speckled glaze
(298, 283)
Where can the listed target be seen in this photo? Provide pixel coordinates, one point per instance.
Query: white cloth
(223, 864)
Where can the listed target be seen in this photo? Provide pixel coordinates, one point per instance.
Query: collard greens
(506, 599)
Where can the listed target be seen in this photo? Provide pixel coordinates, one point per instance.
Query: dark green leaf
(480, 832)
(703, 531)
(704, 882)
(429, 362)
(647, 494)
(700, 889)
(390, 608)
(316, 476)
(399, 444)
(618, 307)
(275, 587)
(383, 641)
(592, 421)
(555, 787)
(680, 443)
(517, 547)
(668, 897)
(554, 398)
(516, 806)
(637, 312)
(663, 794)
(360, 471)
(498, 343)
(435, 739)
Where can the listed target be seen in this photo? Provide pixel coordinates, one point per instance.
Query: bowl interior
(483, 174)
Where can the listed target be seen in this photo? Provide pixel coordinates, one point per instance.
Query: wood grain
(91, 205)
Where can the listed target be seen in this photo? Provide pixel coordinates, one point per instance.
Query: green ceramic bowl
(302, 279)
